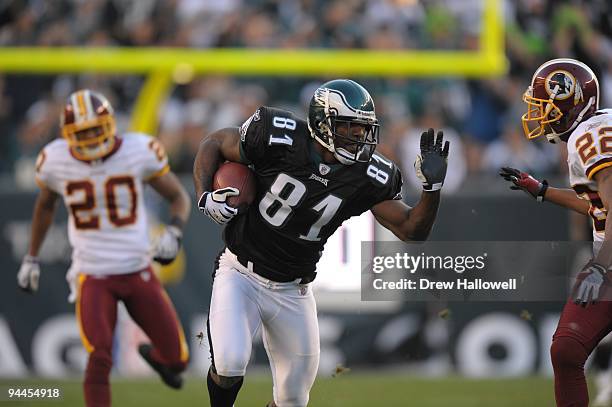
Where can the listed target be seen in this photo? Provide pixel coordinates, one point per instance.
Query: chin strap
(343, 159)
(554, 137)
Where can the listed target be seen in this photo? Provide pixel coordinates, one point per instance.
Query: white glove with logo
(214, 205)
(167, 246)
(29, 273)
(589, 283)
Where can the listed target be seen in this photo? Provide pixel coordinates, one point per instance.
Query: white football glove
(167, 246)
(589, 283)
(214, 206)
(72, 278)
(28, 275)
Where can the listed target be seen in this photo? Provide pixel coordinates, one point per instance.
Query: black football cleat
(168, 376)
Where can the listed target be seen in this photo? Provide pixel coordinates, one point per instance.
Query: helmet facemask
(563, 92)
(353, 140)
(540, 113)
(91, 140)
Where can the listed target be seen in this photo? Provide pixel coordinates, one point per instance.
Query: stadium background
(181, 68)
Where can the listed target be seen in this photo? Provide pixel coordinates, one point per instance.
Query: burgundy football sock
(568, 357)
(96, 385)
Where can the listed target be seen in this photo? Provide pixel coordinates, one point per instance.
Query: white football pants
(241, 302)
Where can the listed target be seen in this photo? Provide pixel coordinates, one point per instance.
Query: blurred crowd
(481, 117)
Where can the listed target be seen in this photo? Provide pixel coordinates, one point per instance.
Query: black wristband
(540, 197)
(600, 268)
(178, 222)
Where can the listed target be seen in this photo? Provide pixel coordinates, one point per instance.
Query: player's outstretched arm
(414, 224)
(44, 210)
(409, 224)
(541, 191)
(222, 145)
(567, 198)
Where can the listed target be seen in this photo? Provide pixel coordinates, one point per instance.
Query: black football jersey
(300, 201)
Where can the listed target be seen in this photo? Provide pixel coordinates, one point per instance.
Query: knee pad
(567, 353)
(231, 363)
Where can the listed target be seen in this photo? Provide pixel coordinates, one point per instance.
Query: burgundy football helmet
(88, 124)
(563, 92)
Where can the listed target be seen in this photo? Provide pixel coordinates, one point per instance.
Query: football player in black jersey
(311, 176)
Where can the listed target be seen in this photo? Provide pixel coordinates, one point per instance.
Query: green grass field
(349, 390)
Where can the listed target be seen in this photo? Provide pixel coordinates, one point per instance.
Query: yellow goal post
(166, 66)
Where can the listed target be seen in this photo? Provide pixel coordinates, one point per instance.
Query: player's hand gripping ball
(233, 191)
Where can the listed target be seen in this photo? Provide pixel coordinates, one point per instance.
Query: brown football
(231, 174)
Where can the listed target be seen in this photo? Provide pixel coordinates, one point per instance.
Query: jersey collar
(317, 160)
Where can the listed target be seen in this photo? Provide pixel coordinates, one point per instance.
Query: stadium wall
(39, 336)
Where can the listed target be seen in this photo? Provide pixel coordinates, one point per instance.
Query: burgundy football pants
(149, 306)
(580, 329)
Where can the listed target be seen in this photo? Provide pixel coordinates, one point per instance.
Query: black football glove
(524, 182)
(430, 165)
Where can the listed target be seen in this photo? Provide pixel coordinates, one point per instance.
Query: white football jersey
(107, 225)
(589, 150)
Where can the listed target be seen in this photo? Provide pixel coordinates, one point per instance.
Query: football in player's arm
(311, 175)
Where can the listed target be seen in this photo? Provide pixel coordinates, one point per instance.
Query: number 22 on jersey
(587, 148)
